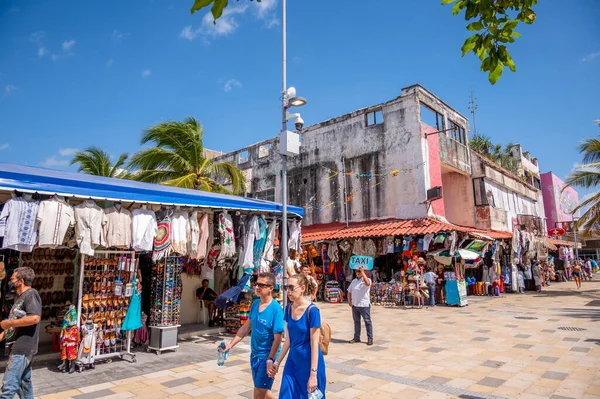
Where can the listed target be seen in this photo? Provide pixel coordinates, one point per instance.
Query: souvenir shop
(116, 261)
(402, 252)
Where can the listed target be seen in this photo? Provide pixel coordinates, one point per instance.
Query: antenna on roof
(472, 109)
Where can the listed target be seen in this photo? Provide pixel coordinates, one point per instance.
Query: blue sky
(75, 74)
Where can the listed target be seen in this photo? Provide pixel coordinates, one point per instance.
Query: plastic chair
(202, 314)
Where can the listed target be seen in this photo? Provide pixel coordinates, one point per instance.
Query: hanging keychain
(129, 285)
(118, 282)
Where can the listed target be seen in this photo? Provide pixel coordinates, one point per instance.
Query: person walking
(359, 299)
(430, 278)
(577, 274)
(267, 325)
(21, 331)
(312, 283)
(305, 368)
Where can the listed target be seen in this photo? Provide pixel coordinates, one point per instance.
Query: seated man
(207, 295)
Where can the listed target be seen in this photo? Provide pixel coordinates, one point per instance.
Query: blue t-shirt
(265, 325)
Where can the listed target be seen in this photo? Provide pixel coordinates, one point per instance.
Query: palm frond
(590, 147)
(115, 170)
(228, 171)
(186, 181)
(584, 178)
(154, 176)
(93, 161)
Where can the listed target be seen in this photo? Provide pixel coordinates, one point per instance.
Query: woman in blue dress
(305, 368)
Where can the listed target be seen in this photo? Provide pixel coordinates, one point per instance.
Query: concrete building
(378, 163)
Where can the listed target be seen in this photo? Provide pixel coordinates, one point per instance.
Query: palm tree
(481, 143)
(95, 161)
(178, 160)
(588, 176)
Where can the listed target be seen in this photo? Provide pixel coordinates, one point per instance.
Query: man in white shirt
(359, 299)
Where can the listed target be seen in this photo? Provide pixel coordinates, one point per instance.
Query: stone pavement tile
(438, 380)
(493, 364)
(121, 395)
(540, 390)
(426, 339)
(480, 339)
(159, 374)
(62, 395)
(528, 376)
(548, 331)
(178, 382)
(234, 391)
(374, 394)
(547, 359)
(553, 375)
(580, 349)
(522, 336)
(94, 394)
(523, 346)
(482, 388)
(129, 387)
(158, 380)
(180, 389)
(248, 394)
(354, 362)
(350, 393)
(339, 386)
(98, 387)
(593, 390)
(571, 339)
(560, 397)
(517, 383)
(434, 350)
(491, 382)
(128, 380)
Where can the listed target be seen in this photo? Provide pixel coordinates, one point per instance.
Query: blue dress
(297, 369)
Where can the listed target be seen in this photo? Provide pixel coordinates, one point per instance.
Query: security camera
(299, 123)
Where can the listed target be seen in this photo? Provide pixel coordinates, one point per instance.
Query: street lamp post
(286, 141)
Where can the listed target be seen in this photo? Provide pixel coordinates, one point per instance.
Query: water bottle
(316, 394)
(223, 355)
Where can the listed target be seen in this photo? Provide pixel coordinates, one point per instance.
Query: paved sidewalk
(518, 346)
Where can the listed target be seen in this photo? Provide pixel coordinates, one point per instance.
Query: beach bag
(325, 330)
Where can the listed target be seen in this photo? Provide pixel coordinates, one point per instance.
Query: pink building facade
(558, 204)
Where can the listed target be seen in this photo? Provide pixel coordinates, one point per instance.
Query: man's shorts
(259, 373)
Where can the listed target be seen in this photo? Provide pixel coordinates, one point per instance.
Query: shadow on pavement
(591, 314)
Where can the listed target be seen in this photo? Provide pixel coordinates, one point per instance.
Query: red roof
(377, 229)
(561, 243)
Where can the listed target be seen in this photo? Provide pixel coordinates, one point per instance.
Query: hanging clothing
(20, 217)
(294, 238)
(389, 245)
(358, 247)
(227, 236)
(69, 342)
(427, 239)
(194, 235)
(333, 251)
(87, 348)
(211, 262)
(144, 229)
(252, 234)
(398, 245)
(55, 217)
(259, 243)
(204, 235)
(117, 229)
(369, 248)
(162, 241)
(90, 219)
(180, 232)
(268, 252)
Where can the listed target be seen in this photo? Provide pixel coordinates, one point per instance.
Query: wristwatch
(313, 370)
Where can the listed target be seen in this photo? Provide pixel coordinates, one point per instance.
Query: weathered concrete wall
(458, 198)
(323, 178)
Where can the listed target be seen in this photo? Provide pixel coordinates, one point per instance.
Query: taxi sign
(356, 262)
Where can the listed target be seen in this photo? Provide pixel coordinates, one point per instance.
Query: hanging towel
(133, 319)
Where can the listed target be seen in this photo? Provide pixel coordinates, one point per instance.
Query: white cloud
(37, 37)
(67, 151)
(68, 44)
(146, 73)
(9, 89)
(591, 56)
(42, 51)
(265, 8)
(109, 63)
(54, 57)
(231, 84)
(4, 146)
(118, 36)
(54, 162)
(189, 33)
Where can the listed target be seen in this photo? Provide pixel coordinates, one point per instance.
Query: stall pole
(80, 290)
(283, 245)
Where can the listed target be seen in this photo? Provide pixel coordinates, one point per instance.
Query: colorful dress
(259, 244)
(227, 236)
(69, 339)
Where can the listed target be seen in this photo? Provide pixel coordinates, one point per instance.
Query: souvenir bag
(133, 319)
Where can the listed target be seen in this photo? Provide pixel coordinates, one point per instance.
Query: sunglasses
(290, 287)
(261, 285)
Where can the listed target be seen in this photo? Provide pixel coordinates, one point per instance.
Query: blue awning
(69, 184)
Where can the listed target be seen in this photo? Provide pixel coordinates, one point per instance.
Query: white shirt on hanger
(227, 236)
(144, 229)
(294, 240)
(267, 257)
(180, 232)
(252, 233)
(55, 217)
(20, 216)
(90, 219)
(118, 227)
(204, 236)
(194, 235)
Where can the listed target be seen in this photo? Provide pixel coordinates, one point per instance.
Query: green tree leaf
(200, 4)
(495, 74)
(475, 26)
(217, 8)
(469, 44)
(444, 2)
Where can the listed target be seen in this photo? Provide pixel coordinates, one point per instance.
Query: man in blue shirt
(267, 325)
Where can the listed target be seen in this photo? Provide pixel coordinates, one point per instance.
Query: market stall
(90, 233)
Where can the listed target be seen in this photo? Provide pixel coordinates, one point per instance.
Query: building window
(263, 150)
(243, 157)
(457, 133)
(537, 183)
(374, 118)
(481, 197)
(432, 118)
(267, 195)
